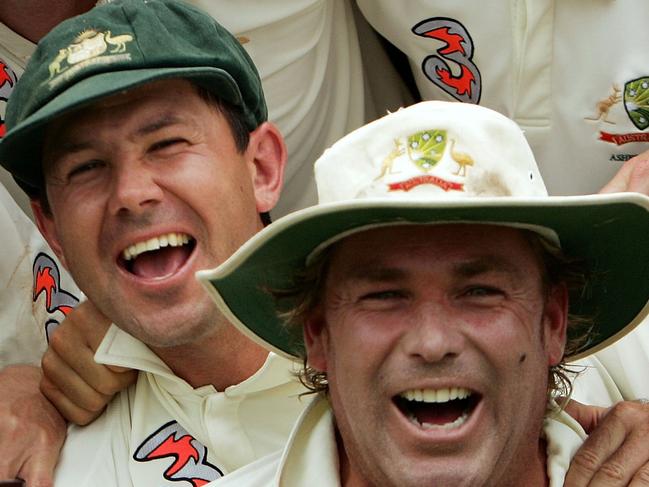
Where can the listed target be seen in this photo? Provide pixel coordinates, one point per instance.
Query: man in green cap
(139, 129)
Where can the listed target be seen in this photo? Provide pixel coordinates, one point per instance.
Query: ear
(47, 227)
(316, 340)
(267, 153)
(555, 323)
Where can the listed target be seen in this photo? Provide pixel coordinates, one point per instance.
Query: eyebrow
(375, 271)
(486, 264)
(166, 120)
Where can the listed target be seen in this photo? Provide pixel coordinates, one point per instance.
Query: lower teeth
(447, 426)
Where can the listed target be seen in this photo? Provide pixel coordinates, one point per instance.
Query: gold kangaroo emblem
(118, 41)
(55, 66)
(386, 166)
(604, 106)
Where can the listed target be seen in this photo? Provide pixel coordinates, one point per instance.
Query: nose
(134, 188)
(434, 334)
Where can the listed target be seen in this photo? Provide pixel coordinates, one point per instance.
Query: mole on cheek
(522, 358)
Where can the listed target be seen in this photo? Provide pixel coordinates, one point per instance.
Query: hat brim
(21, 148)
(611, 232)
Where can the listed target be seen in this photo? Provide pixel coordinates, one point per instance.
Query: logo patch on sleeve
(7, 82)
(189, 456)
(461, 78)
(47, 281)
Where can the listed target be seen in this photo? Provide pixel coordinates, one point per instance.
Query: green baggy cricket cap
(115, 47)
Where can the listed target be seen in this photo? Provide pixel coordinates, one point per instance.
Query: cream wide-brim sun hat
(432, 163)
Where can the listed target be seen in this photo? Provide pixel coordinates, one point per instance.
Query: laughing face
(436, 341)
(146, 188)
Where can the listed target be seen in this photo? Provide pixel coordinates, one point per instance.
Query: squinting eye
(382, 295)
(86, 167)
(483, 291)
(164, 144)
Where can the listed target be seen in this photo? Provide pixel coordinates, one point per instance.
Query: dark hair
(232, 113)
(297, 302)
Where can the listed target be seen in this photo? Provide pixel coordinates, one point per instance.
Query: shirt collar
(122, 349)
(312, 455)
(563, 435)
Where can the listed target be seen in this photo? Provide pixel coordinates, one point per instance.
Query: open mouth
(446, 408)
(158, 257)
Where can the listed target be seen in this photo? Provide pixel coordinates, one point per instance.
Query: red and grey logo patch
(461, 78)
(47, 281)
(8, 80)
(189, 455)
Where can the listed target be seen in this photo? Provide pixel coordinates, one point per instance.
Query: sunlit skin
(155, 160)
(431, 307)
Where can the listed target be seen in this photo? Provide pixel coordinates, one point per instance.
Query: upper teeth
(169, 239)
(436, 395)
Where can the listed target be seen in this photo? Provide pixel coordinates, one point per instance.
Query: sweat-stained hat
(431, 163)
(112, 48)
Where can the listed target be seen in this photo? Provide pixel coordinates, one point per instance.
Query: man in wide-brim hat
(435, 294)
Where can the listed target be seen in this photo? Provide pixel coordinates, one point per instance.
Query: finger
(29, 423)
(68, 346)
(65, 359)
(587, 416)
(125, 375)
(10, 457)
(75, 343)
(593, 453)
(632, 176)
(639, 177)
(38, 471)
(641, 477)
(620, 181)
(68, 409)
(91, 323)
(60, 377)
(122, 379)
(618, 469)
(9, 462)
(118, 369)
(614, 451)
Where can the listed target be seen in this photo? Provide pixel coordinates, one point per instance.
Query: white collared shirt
(311, 455)
(161, 430)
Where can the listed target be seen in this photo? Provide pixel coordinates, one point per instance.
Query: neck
(532, 473)
(222, 359)
(349, 476)
(32, 19)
